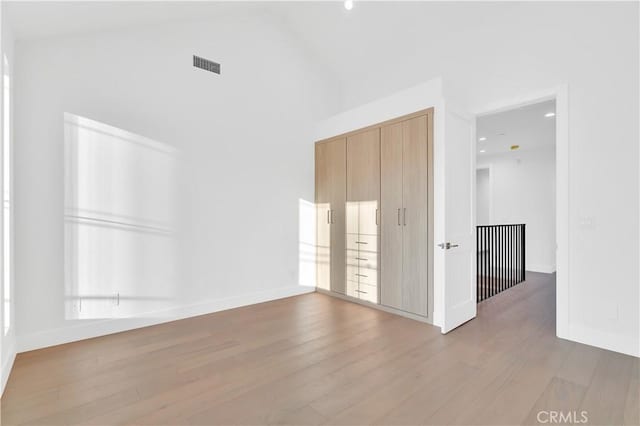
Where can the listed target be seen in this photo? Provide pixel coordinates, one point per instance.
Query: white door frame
(561, 95)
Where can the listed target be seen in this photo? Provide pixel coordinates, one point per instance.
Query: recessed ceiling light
(348, 4)
(482, 139)
(550, 114)
(514, 147)
(482, 151)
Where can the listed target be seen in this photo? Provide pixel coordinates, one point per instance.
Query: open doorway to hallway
(515, 199)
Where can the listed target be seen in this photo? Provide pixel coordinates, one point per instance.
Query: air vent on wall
(206, 64)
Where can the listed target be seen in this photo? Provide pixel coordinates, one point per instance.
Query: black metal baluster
(494, 236)
(517, 259)
(481, 279)
(505, 280)
(524, 253)
(478, 251)
(485, 262)
(500, 254)
(498, 257)
(511, 257)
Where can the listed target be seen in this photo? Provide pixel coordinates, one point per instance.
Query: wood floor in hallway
(315, 359)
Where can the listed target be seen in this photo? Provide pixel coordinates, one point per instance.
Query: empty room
(320, 213)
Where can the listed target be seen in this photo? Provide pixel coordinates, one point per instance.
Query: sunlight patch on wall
(323, 246)
(307, 243)
(119, 221)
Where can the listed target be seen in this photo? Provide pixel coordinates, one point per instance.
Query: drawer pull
(360, 291)
(360, 275)
(361, 242)
(361, 258)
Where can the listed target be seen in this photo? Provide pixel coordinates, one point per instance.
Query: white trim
(544, 269)
(7, 365)
(59, 336)
(561, 95)
(605, 339)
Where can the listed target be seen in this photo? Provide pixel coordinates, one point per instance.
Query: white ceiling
(39, 19)
(352, 45)
(526, 126)
(368, 51)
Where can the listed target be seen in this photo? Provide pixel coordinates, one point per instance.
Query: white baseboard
(92, 329)
(545, 269)
(628, 345)
(7, 365)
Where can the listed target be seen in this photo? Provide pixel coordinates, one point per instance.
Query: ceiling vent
(206, 64)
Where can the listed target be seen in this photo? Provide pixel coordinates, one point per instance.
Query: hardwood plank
(581, 364)
(632, 405)
(606, 397)
(561, 396)
(315, 359)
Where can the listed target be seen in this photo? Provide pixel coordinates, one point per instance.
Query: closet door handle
(332, 217)
(404, 216)
(398, 217)
(376, 217)
(328, 213)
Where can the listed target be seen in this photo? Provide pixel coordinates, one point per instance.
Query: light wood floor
(314, 359)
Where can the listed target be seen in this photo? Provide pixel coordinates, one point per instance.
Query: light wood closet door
(391, 216)
(363, 201)
(415, 190)
(363, 166)
(330, 205)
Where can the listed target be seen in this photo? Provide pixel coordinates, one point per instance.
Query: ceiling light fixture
(483, 151)
(550, 114)
(514, 147)
(348, 4)
(482, 139)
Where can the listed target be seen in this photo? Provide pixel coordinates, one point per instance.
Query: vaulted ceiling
(380, 47)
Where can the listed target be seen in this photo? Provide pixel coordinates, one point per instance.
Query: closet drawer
(363, 242)
(362, 259)
(352, 289)
(368, 260)
(368, 293)
(362, 275)
(353, 273)
(367, 276)
(353, 257)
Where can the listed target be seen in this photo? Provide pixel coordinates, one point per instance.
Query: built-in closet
(374, 198)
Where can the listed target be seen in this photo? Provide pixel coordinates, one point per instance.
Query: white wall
(494, 52)
(483, 196)
(523, 190)
(241, 144)
(7, 338)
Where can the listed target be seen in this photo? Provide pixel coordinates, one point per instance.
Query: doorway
(517, 201)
